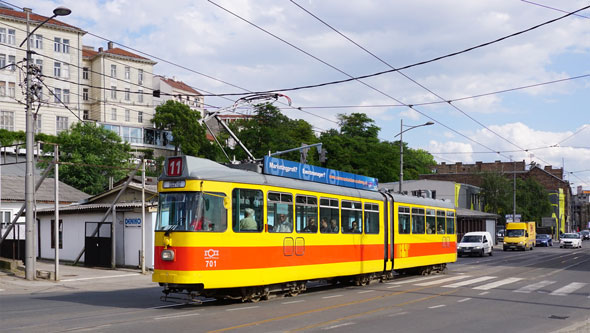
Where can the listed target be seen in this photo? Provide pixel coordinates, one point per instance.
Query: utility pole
(29, 190)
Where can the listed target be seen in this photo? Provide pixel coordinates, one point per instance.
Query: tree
(183, 122)
(496, 191)
(91, 144)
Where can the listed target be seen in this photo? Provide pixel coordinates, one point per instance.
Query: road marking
(101, 277)
(414, 280)
(397, 314)
(534, 286)
(337, 326)
(453, 278)
(365, 291)
(437, 306)
(565, 290)
(497, 284)
(332, 296)
(468, 282)
(484, 293)
(395, 286)
(292, 302)
(463, 300)
(244, 308)
(177, 316)
(165, 306)
(82, 329)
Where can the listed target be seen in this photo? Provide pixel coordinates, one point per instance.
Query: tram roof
(204, 169)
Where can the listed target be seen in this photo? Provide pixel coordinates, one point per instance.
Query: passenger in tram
(312, 226)
(248, 222)
(334, 226)
(355, 228)
(284, 225)
(324, 225)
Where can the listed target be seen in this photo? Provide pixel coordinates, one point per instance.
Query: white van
(478, 242)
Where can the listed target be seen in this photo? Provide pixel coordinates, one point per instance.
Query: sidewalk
(13, 280)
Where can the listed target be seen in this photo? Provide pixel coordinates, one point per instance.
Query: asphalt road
(544, 290)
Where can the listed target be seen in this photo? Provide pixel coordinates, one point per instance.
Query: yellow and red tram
(235, 233)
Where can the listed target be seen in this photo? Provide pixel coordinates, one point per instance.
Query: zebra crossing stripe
(497, 284)
(415, 280)
(568, 289)
(453, 278)
(468, 282)
(533, 287)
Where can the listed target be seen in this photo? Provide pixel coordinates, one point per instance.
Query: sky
(239, 46)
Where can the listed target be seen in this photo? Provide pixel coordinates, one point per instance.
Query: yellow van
(520, 235)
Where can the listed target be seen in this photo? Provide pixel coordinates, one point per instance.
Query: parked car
(544, 240)
(585, 234)
(500, 235)
(570, 239)
(478, 242)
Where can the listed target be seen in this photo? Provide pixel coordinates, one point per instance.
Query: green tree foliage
(183, 122)
(90, 144)
(532, 200)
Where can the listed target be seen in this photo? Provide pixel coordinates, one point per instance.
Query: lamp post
(30, 138)
(401, 148)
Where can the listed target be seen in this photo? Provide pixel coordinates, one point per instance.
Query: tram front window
(192, 211)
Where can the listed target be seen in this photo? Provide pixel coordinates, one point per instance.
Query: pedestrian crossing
(487, 283)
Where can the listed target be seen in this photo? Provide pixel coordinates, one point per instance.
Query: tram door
(98, 244)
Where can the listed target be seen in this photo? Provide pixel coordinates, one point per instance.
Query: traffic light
(323, 157)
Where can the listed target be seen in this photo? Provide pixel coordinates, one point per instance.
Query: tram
(226, 232)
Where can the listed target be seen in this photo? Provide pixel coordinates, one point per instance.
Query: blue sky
(201, 36)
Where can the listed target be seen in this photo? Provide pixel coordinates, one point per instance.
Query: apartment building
(110, 86)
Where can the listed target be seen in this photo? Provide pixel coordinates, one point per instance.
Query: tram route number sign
(174, 168)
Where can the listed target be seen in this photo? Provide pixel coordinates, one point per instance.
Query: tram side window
(279, 212)
(417, 220)
(247, 206)
(440, 221)
(430, 221)
(306, 213)
(450, 222)
(352, 215)
(330, 214)
(403, 220)
(371, 218)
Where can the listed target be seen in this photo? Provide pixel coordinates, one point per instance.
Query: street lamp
(30, 138)
(401, 148)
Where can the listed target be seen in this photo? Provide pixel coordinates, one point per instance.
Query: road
(545, 290)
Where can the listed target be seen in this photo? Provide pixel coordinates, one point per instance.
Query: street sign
(548, 222)
(510, 219)
(133, 222)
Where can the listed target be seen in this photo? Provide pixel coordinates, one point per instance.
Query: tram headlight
(167, 255)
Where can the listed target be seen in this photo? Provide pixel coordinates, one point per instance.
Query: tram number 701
(210, 263)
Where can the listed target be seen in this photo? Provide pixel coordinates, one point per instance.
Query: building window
(114, 114)
(57, 95)
(85, 73)
(2, 88)
(11, 89)
(61, 124)
(140, 76)
(140, 96)
(66, 97)
(39, 63)
(2, 61)
(60, 234)
(113, 70)
(56, 69)
(57, 44)
(127, 72)
(66, 46)
(37, 123)
(127, 94)
(7, 120)
(113, 92)
(132, 134)
(85, 94)
(2, 35)
(5, 219)
(127, 115)
(11, 36)
(86, 115)
(12, 61)
(38, 42)
(140, 117)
